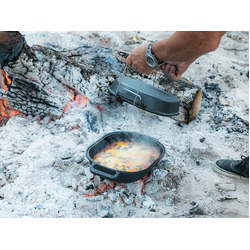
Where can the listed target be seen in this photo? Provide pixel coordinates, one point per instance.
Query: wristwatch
(151, 58)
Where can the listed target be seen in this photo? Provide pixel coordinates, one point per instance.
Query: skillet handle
(101, 172)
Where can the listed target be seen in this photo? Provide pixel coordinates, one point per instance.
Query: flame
(80, 99)
(6, 112)
(8, 80)
(2, 107)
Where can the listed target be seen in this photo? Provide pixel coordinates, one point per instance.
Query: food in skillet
(127, 156)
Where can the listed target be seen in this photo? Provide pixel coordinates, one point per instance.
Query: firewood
(30, 98)
(74, 68)
(12, 43)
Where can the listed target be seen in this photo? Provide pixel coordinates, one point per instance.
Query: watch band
(149, 51)
(150, 48)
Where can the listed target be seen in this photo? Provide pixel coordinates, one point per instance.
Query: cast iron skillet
(120, 176)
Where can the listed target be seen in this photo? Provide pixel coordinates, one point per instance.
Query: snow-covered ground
(44, 172)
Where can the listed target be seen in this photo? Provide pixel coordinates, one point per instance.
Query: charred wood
(30, 98)
(74, 68)
(11, 45)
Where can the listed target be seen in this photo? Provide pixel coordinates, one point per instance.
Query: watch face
(150, 61)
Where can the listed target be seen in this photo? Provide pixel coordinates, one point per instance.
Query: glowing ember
(8, 81)
(6, 112)
(99, 107)
(80, 100)
(103, 188)
(142, 182)
(2, 106)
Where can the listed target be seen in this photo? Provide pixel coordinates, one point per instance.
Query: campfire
(54, 104)
(96, 186)
(6, 112)
(43, 84)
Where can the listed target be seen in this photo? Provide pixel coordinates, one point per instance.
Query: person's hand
(137, 60)
(175, 69)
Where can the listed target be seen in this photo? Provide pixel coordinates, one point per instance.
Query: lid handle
(121, 82)
(128, 97)
(131, 92)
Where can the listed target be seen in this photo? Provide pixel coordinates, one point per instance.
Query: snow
(42, 165)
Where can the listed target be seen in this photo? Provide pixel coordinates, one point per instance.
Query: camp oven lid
(145, 96)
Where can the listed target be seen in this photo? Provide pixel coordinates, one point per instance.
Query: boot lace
(244, 163)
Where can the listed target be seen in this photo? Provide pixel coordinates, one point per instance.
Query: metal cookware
(120, 176)
(145, 96)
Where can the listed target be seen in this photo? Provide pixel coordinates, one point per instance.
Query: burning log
(30, 98)
(55, 70)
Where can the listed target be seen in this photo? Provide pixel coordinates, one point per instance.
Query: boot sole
(219, 170)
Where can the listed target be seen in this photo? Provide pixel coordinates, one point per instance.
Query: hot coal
(212, 76)
(225, 119)
(212, 87)
(90, 186)
(221, 117)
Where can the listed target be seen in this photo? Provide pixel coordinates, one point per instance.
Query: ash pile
(221, 115)
(46, 174)
(44, 171)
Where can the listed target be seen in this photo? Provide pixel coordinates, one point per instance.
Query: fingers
(167, 68)
(141, 69)
(176, 76)
(172, 71)
(129, 60)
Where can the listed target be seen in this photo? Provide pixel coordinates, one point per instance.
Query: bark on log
(30, 98)
(190, 95)
(75, 68)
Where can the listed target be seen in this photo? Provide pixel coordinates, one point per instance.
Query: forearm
(187, 46)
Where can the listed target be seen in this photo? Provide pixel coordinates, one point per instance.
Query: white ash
(44, 171)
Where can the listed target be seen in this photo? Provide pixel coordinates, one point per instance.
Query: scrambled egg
(127, 156)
